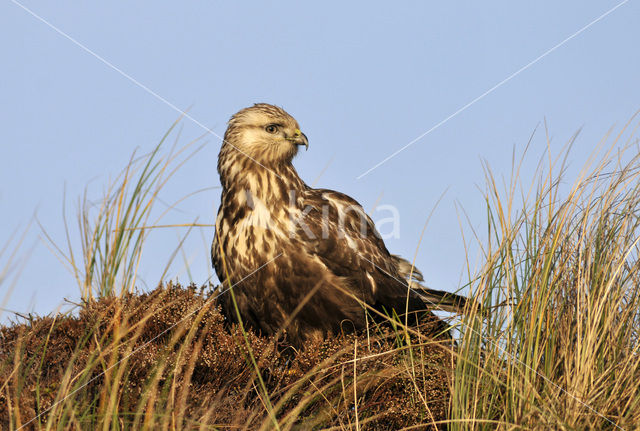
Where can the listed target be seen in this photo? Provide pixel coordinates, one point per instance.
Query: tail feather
(406, 269)
(441, 300)
(433, 299)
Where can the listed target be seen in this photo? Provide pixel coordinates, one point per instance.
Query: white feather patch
(374, 286)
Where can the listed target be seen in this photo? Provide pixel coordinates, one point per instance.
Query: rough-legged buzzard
(322, 264)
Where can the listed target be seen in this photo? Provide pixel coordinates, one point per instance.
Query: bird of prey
(305, 261)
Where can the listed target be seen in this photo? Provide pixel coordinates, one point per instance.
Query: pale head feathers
(262, 133)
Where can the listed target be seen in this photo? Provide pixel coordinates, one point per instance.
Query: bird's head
(266, 133)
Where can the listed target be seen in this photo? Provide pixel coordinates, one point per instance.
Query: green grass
(551, 341)
(562, 350)
(113, 233)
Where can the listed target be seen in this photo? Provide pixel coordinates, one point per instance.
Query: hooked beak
(300, 139)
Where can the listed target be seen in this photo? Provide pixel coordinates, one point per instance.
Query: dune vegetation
(550, 342)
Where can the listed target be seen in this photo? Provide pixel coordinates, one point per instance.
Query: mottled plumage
(323, 258)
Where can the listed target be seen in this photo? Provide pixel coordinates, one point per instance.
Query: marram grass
(561, 349)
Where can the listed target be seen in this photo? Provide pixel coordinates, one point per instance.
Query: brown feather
(329, 262)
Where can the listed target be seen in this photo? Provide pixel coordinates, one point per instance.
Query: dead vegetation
(166, 359)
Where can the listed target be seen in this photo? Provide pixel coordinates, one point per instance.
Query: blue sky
(362, 79)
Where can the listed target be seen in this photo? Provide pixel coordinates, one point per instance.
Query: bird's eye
(271, 128)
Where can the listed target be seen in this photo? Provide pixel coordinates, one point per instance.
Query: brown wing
(346, 241)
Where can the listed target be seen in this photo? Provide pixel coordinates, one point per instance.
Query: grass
(13, 263)
(112, 234)
(562, 351)
(554, 345)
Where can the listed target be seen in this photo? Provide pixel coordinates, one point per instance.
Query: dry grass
(165, 360)
(112, 232)
(562, 351)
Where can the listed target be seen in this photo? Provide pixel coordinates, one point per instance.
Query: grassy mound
(164, 359)
(555, 345)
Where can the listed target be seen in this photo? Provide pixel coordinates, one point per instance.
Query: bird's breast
(252, 229)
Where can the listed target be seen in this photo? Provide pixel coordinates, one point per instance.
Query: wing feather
(348, 243)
